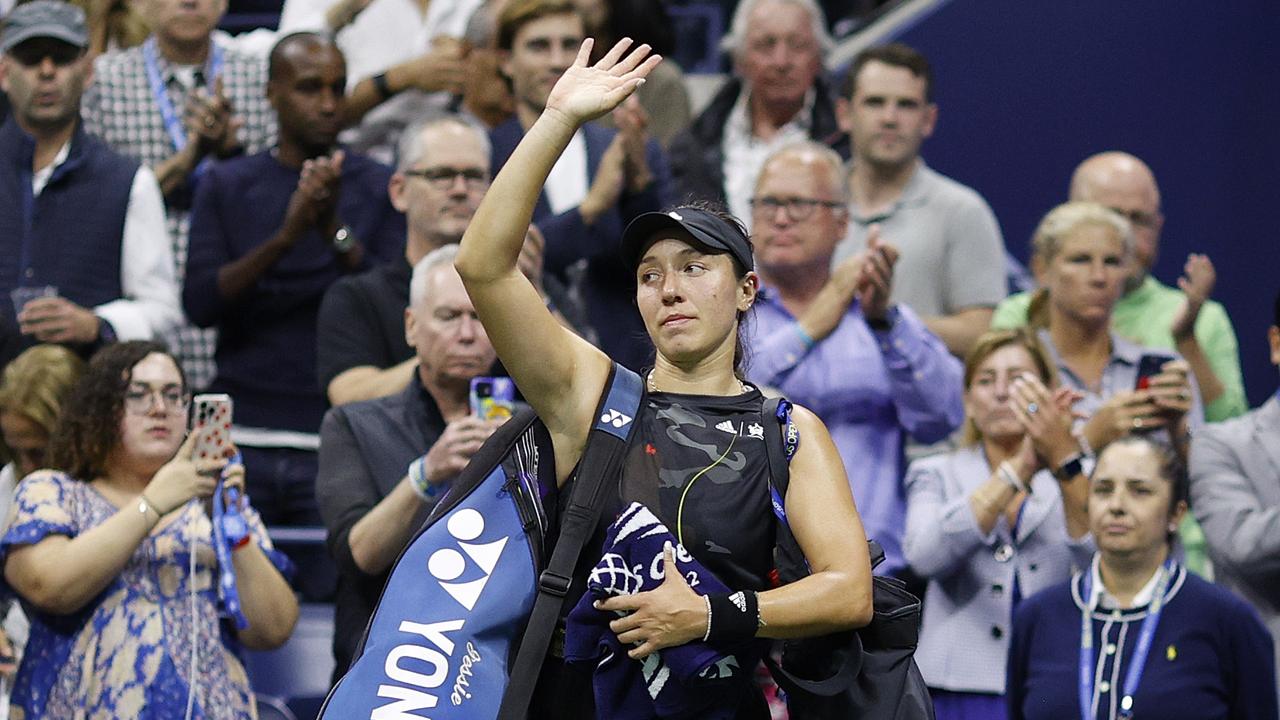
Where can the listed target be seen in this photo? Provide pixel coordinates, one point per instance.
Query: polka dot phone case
(212, 425)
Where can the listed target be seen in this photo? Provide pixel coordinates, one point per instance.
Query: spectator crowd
(276, 218)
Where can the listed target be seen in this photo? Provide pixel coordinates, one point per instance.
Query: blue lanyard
(790, 443)
(1089, 658)
(168, 113)
(229, 527)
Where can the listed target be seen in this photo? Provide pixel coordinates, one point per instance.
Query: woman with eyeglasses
(1134, 635)
(124, 616)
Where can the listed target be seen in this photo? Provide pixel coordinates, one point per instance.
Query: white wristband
(418, 480)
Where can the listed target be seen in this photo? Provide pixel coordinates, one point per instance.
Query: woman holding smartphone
(1080, 254)
(124, 616)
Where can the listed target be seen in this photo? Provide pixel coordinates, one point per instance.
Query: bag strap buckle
(554, 583)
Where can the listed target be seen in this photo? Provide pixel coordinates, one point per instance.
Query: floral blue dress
(128, 653)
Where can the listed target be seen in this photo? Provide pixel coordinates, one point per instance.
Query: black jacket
(697, 160)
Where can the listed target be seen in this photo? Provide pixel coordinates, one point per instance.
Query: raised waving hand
(585, 92)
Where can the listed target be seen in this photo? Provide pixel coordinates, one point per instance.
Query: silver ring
(1032, 408)
(1137, 423)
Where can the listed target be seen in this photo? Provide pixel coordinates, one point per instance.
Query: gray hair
(422, 271)
(733, 41)
(412, 147)
(482, 27)
(820, 152)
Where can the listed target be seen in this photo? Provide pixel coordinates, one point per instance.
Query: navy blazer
(608, 285)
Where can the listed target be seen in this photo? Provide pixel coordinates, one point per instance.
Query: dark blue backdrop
(1028, 88)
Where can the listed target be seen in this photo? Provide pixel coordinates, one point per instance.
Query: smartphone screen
(493, 398)
(211, 421)
(1148, 367)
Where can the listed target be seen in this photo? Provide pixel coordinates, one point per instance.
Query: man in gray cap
(83, 249)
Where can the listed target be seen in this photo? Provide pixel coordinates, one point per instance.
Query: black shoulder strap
(601, 459)
(774, 449)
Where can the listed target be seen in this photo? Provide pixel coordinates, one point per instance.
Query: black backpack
(869, 673)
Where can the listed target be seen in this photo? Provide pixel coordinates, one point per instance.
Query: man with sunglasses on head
(833, 341)
(270, 232)
(83, 249)
(1152, 313)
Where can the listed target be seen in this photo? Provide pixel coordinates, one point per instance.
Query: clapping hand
(210, 122)
(875, 276)
(1046, 417)
(1197, 281)
(314, 203)
(444, 67)
(585, 92)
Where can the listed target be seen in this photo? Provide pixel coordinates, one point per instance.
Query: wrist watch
(1072, 467)
(343, 239)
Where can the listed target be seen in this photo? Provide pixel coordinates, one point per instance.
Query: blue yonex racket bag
(476, 585)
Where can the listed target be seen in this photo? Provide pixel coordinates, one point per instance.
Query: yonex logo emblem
(615, 418)
(447, 564)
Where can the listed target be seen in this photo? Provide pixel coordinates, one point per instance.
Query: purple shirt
(870, 388)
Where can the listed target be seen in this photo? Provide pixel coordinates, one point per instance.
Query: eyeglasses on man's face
(798, 208)
(443, 178)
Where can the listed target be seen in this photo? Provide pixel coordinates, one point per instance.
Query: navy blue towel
(694, 680)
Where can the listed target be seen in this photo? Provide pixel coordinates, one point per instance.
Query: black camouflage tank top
(699, 463)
